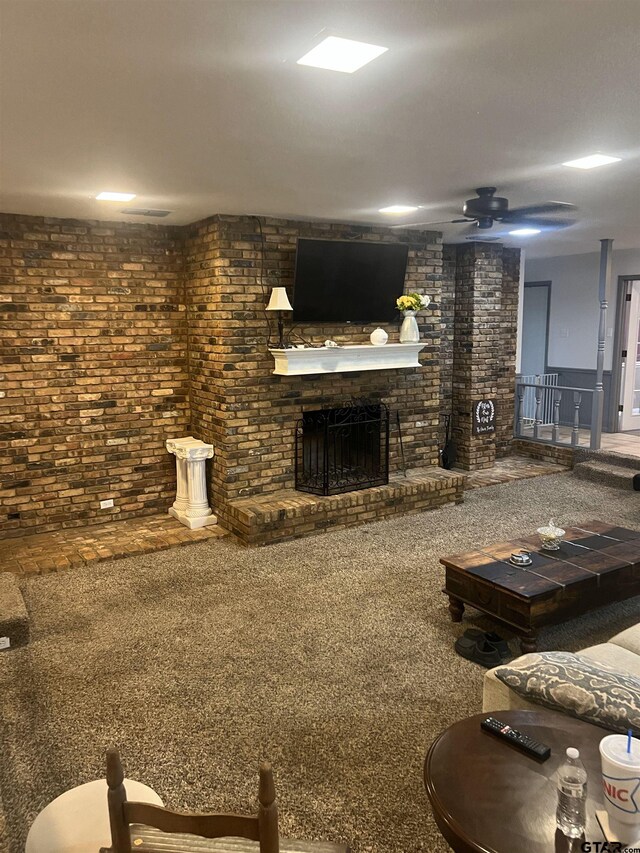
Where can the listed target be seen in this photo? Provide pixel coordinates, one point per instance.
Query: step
(583, 454)
(616, 476)
(14, 619)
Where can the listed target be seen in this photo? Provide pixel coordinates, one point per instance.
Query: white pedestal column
(182, 490)
(191, 506)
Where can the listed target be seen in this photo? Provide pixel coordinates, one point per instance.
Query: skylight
(338, 54)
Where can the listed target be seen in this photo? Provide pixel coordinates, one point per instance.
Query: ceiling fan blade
(533, 209)
(543, 224)
(425, 224)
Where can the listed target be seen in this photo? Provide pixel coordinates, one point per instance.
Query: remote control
(538, 750)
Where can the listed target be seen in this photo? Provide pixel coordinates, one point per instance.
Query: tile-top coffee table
(597, 563)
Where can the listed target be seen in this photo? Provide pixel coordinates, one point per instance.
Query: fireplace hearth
(342, 449)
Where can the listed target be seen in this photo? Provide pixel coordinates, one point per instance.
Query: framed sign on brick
(484, 417)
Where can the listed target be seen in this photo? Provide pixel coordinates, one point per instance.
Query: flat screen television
(347, 281)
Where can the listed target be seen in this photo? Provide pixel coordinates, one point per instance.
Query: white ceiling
(198, 106)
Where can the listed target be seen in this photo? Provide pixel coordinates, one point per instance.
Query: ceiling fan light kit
(486, 207)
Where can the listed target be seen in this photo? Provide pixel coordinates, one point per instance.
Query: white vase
(378, 337)
(409, 331)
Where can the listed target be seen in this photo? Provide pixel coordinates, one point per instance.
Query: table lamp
(279, 302)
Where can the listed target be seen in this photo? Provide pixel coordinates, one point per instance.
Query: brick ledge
(288, 514)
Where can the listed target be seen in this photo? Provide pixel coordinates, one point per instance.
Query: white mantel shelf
(307, 360)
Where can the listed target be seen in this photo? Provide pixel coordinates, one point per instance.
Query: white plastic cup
(621, 785)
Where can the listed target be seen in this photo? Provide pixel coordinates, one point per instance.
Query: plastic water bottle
(572, 795)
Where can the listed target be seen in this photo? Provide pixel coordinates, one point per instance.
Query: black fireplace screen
(342, 450)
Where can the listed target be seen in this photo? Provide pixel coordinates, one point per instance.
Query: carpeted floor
(332, 656)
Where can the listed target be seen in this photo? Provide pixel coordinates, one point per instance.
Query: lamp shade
(279, 300)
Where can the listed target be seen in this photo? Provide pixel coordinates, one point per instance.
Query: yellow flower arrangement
(412, 302)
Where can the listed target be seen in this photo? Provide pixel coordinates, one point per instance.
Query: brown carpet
(332, 656)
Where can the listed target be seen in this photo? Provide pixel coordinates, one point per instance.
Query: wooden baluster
(538, 419)
(557, 396)
(575, 432)
(267, 811)
(519, 423)
(116, 798)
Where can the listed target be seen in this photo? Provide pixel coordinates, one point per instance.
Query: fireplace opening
(343, 449)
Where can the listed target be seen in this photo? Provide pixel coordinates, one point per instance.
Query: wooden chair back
(262, 828)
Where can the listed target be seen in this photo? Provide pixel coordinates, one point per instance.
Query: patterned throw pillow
(578, 686)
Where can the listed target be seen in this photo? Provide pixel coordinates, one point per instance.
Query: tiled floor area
(48, 552)
(512, 468)
(622, 442)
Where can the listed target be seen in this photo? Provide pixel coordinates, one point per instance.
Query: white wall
(574, 315)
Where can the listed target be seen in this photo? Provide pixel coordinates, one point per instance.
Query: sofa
(622, 653)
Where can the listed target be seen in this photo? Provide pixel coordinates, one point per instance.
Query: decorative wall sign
(484, 417)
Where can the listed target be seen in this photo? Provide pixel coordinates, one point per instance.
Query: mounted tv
(347, 281)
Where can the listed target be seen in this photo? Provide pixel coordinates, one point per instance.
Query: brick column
(447, 331)
(506, 368)
(485, 321)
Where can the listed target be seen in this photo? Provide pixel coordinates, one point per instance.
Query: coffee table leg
(456, 608)
(529, 643)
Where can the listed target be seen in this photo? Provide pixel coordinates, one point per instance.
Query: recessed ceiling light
(109, 196)
(338, 54)
(525, 232)
(591, 161)
(398, 208)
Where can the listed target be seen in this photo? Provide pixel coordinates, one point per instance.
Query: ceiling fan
(487, 209)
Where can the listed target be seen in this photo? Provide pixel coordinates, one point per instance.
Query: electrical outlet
(106, 504)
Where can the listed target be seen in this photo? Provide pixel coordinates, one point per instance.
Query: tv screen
(343, 281)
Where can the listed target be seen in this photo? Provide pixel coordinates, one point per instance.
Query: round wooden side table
(488, 797)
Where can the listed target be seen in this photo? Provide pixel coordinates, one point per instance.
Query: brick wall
(93, 375)
(110, 328)
(238, 404)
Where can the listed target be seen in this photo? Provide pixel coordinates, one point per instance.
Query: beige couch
(621, 652)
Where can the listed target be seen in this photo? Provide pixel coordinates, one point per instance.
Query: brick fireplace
(251, 415)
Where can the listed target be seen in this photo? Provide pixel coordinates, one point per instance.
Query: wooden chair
(263, 828)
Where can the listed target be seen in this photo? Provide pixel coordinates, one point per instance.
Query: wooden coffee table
(597, 563)
(488, 797)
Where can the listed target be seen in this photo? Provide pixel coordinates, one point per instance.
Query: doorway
(629, 356)
(536, 304)
(535, 327)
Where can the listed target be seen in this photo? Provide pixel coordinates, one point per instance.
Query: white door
(631, 365)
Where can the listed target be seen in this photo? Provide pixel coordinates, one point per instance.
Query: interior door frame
(546, 284)
(624, 288)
